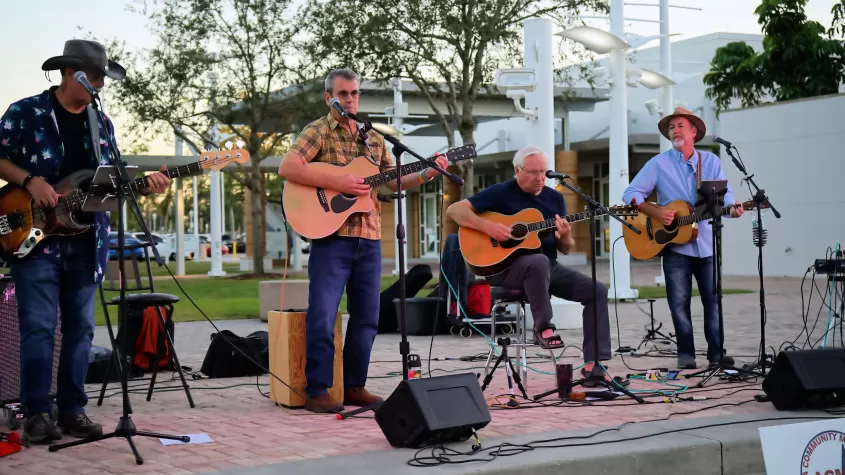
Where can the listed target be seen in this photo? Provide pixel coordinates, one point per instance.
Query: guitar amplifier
(10, 362)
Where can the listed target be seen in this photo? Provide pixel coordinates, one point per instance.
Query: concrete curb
(732, 447)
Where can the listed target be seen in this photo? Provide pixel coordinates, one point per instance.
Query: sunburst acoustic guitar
(684, 228)
(318, 212)
(485, 256)
(23, 224)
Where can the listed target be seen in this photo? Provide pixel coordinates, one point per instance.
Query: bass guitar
(318, 212)
(23, 224)
(486, 256)
(684, 228)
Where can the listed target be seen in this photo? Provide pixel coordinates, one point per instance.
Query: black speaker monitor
(432, 411)
(807, 379)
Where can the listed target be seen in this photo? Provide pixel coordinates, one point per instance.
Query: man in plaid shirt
(351, 257)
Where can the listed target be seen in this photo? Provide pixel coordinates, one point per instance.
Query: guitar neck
(551, 223)
(185, 170)
(695, 217)
(377, 180)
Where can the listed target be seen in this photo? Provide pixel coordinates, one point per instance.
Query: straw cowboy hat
(80, 54)
(700, 128)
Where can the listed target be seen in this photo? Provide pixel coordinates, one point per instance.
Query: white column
(537, 55)
(126, 220)
(620, 261)
(222, 203)
(665, 92)
(216, 244)
(397, 122)
(179, 196)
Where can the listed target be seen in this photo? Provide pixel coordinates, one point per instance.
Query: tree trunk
(257, 210)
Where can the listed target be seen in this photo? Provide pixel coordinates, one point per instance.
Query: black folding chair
(143, 296)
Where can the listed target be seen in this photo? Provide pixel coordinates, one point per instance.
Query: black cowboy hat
(81, 54)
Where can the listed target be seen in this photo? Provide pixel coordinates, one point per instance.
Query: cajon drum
(286, 331)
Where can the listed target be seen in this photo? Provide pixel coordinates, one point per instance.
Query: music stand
(712, 201)
(118, 185)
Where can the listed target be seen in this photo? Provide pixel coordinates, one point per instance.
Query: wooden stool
(287, 357)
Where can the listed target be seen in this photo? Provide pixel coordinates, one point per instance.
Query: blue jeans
(336, 263)
(679, 269)
(43, 283)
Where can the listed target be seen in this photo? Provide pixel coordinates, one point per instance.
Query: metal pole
(216, 244)
(397, 122)
(620, 261)
(537, 54)
(179, 196)
(665, 92)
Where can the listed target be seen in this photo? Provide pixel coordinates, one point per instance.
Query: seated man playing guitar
(539, 274)
(675, 175)
(349, 258)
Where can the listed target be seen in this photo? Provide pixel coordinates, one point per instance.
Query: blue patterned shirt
(29, 137)
(674, 179)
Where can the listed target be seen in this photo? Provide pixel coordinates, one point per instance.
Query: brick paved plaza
(248, 430)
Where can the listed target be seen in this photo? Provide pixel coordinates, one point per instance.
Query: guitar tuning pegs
(229, 145)
(240, 143)
(208, 146)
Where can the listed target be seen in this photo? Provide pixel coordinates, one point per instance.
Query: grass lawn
(233, 298)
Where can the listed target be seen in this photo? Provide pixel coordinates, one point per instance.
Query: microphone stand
(759, 198)
(125, 426)
(398, 149)
(596, 374)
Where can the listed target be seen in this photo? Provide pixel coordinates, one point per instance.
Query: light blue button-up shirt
(674, 179)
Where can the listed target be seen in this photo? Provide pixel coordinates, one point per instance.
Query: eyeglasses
(343, 94)
(533, 173)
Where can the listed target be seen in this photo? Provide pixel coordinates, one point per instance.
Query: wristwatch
(26, 180)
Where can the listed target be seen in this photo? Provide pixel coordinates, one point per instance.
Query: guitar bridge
(494, 242)
(321, 197)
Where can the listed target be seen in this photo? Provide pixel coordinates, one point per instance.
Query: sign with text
(807, 448)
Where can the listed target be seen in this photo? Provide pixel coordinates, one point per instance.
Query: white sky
(37, 30)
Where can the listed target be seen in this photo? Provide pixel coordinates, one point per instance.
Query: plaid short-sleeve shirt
(326, 140)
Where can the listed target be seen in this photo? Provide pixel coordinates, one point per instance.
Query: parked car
(137, 253)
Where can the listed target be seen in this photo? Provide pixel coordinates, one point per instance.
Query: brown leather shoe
(323, 404)
(360, 397)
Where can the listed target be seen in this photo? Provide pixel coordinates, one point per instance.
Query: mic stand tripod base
(720, 368)
(596, 377)
(126, 429)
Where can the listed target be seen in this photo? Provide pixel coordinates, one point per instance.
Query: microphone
(722, 141)
(758, 235)
(81, 78)
(336, 104)
(551, 174)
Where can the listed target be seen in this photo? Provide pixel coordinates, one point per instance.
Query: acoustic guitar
(684, 228)
(23, 224)
(318, 212)
(486, 256)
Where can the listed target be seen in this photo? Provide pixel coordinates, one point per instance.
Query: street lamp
(595, 39)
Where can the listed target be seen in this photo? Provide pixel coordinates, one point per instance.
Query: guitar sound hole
(519, 231)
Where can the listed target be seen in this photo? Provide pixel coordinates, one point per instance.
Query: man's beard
(678, 143)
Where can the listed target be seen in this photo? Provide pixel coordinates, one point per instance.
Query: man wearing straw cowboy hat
(43, 139)
(675, 174)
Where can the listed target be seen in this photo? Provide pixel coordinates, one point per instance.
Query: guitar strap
(94, 128)
(698, 172)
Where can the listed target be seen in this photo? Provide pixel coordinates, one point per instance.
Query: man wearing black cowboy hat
(675, 175)
(43, 139)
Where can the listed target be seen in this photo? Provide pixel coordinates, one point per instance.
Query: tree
(449, 49)
(797, 60)
(248, 47)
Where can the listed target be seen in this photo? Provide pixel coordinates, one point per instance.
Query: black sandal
(618, 380)
(554, 342)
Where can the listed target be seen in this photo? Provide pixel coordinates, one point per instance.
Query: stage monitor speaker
(807, 379)
(431, 411)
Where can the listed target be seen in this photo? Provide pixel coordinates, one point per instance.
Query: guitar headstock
(218, 159)
(464, 152)
(751, 205)
(625, 210)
